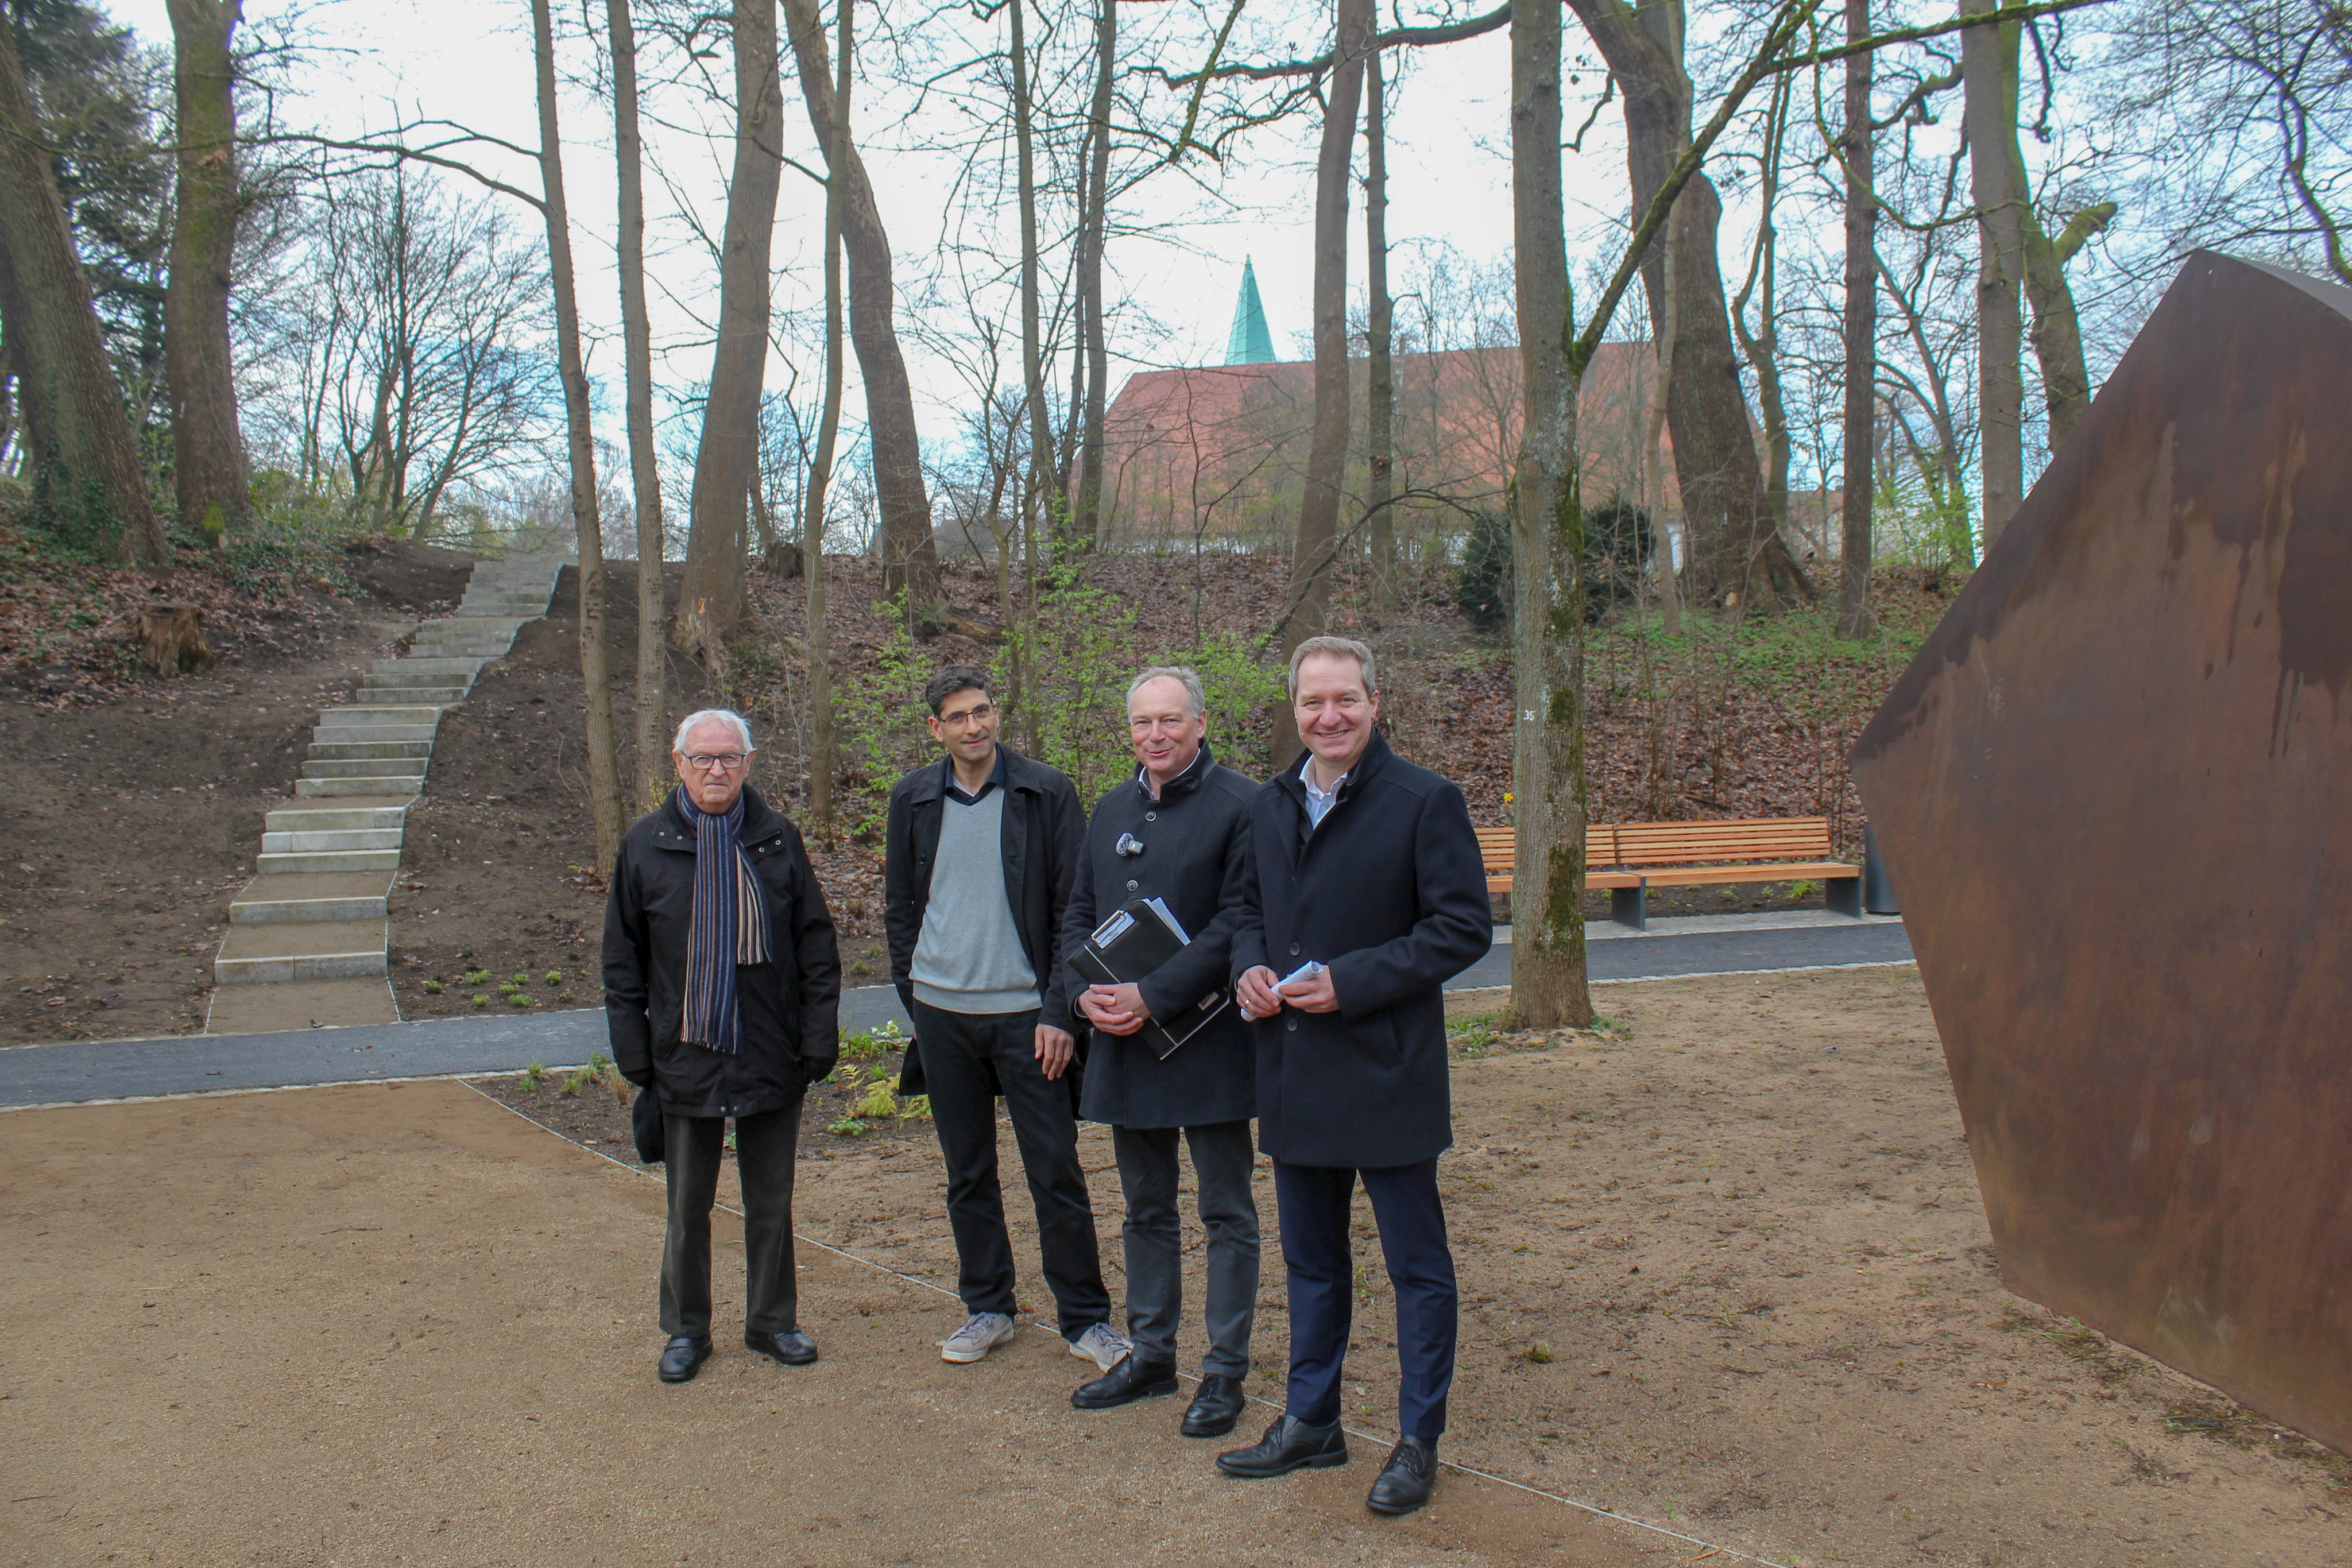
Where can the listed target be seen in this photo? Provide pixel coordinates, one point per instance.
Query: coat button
(1150, 816)
(1294, 949)
(1130, 884)
(1293, 1024)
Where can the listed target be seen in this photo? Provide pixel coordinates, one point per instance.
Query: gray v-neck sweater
(968, 956)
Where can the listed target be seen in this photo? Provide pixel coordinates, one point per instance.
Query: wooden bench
(1499, 846)
(1630, 858)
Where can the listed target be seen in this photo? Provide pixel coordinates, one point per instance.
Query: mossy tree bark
(637, 362)
(208, 468)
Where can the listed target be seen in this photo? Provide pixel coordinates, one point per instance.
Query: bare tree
(1857, 152)
(1317, 541)
(208, 471)
(603, 765)
(711, 600)
(637, 362)
(911, 558)
(819, 468)
(1380, 371)
(86, 462)
(1093, 348)
(1988, 69)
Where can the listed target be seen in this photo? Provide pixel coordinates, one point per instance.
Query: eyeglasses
(976, 715)
(722, 761)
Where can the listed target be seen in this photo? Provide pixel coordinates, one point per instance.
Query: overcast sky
(472, 61)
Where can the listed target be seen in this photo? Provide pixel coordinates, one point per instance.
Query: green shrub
(1483, 590)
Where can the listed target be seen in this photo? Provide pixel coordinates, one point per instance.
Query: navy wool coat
(1391, 893)
(1194, 839)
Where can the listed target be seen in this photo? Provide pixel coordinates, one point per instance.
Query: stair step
(410, 668)
(346, 734)
(483, 651)
(336, 818)
(402, 751)
(295, 863)
(267, 951)
(374, 710)
(312, 840)
(300, 899)
(366, 784)
(393, 771)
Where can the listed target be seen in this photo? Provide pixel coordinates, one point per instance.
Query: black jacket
(1194, 838)
(1043, 824)
(790, 1006)
(1389, 892)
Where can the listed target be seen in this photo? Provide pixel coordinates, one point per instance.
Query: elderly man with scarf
(722, 987)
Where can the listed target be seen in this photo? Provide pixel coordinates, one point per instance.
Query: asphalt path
(89, 1070)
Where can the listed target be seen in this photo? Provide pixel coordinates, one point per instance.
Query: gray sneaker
(982, 1333)
(1102, 1345)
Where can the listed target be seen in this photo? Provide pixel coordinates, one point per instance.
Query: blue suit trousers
(1314, 1203)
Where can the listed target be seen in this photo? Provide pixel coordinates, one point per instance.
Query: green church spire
(1250, 342)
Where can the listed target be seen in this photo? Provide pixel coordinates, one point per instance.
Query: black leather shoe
(681, 1358)
(789, 1346)
(1288, 1446)
(1215, 1408)
(1406, 1482)
(1130, 1380)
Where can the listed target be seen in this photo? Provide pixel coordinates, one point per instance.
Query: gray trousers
(1221, 1160)
(765, 1148)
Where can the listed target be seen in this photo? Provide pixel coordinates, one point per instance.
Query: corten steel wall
(2114, 794)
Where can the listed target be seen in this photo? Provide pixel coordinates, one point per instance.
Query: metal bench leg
(1845, 895)
(1630, 906)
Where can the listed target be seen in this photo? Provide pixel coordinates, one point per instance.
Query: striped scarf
(729, 926)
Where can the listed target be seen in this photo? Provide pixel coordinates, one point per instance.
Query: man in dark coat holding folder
(722, 992)
(1365, 894)
(1175, 832)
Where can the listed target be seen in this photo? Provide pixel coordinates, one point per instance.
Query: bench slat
(1786, 871)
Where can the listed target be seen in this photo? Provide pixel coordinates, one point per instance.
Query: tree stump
(175, 638)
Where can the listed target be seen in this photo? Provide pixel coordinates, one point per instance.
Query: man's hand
(1055, 1048)
(1114, 1009)
(1310, 996)
(1257, 992)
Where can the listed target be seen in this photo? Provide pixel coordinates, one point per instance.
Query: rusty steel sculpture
(2114, 792)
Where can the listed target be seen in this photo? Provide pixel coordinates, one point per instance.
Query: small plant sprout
(482, 998)
(848, 1127)
(555, 976)
(875, 1103)
(520, 980)
(433, 986)
(915, 1108)
(1540, 1353)
(534, 1076)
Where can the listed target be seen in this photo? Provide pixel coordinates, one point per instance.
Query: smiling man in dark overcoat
(1175, 832)
(1368, 867)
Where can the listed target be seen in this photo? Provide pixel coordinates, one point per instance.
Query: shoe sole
(958, 1358)
(1089, 1355)
(1315, 1463)
(687, 1376)
(1156, 1391)
(1223, 1429)
(1396, 1513)
(782, 1360)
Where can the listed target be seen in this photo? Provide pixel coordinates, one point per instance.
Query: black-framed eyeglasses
(974, 715)
(724, 762)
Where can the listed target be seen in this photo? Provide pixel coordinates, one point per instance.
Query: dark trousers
(968, 1059)
(1313, 1201)
(1153, 1237)
(765, 1148)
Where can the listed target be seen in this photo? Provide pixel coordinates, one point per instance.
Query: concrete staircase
(307, 936)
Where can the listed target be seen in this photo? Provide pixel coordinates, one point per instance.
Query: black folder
(1136, 940)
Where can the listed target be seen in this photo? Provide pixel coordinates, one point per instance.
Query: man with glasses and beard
(980, 853)
(722, 990)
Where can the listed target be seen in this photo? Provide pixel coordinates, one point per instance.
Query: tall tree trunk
(1989, 76)
(1734, 550)
(1380, 316)
(86, 472)
(603, 765)
(1317, 540)
(1860, 152)
(911, 558)
(1654, 453)
(1041, 513)
(712, 600)
(1547, 970)
(208, 471)
(1762, 346)
(637, 360)
(2057, 336)
(1092, 343)
(820, 473)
